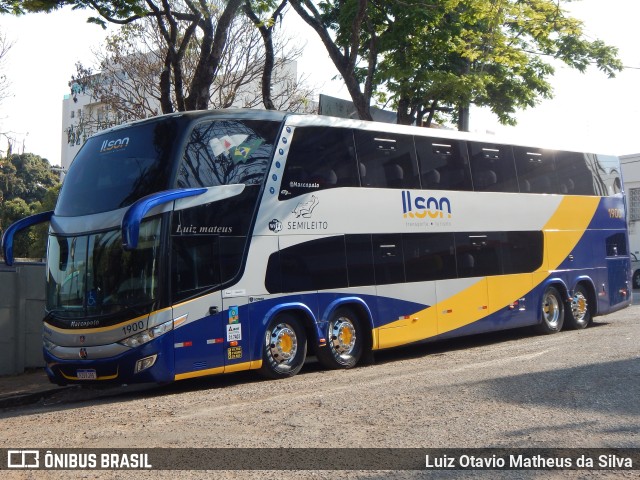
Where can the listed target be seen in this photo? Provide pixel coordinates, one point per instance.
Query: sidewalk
(26, 388)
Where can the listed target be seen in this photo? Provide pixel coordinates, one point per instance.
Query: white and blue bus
(211, 242)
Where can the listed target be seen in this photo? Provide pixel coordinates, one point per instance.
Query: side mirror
(7, 236)
(136, 212)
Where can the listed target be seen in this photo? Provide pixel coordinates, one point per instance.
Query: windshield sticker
(113, 145)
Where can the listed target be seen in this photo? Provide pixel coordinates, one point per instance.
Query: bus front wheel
(580, 315)
(284, 347)
(552, 311)
(344, 342)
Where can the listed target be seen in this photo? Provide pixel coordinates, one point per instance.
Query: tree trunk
(344, 62)
(213, 44)
(463, 117)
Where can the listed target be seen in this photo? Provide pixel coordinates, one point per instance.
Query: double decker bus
(212, 242)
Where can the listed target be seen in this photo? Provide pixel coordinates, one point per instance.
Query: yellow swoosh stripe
(568, 224)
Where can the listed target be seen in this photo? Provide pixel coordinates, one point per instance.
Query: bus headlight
(148, 335)
(48, 344)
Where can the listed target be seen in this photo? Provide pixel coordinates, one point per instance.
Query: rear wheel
(284, 347)
(579, 316)
(552, 311)
(345, 342)
(636, 279)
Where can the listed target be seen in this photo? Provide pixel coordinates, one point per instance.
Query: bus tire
(284, 347)
(636, 279)
(551, 311)
(345, 341)
(579, 311)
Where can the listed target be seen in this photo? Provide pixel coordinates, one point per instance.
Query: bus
(211, 242)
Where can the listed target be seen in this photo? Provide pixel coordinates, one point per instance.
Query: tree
(350, 23)
(495, 57)
(27, 186)
(5, 46)
(178, 21)
(127, 86)
(441, 56)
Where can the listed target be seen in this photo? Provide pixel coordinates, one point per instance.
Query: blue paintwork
(7, 237)
(137, 211)
(124, 364)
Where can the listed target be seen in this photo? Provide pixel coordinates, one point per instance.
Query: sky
(588, 112)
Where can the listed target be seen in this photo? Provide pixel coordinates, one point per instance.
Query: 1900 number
(616, 213)
(133, 327)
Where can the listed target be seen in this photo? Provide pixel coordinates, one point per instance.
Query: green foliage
(439, 56)
(490, 53)
(27, 186)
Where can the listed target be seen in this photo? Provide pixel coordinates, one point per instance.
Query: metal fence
(22, 301)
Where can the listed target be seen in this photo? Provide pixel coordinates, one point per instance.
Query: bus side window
(319, 158)
(429, 256)
(312, 265)
(492, 167)
(575, 177)
(225, 152)
(444, 164)
(389, 160)
(388, 258)
(194, 265)
(478, 254)
(536, 170)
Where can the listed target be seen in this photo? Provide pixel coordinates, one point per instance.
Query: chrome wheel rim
(343, 338)
(579, 307)
(282, 345)
(551, 310)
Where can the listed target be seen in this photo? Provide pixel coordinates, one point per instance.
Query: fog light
(145, 363)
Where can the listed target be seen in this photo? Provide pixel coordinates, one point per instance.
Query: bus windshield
(115, 169)
(93, 275)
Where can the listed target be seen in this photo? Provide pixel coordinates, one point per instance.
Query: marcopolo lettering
(421, 207)
(111, 145)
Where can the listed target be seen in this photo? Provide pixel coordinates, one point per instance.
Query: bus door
(199, 334)
(199, 328)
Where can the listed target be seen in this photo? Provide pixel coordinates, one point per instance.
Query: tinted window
(477, 254)
(195, 265)
(429, 256)
(319, 158)
(536, 170)
(606, 170)
(313, 265)
(616, 245)
(444, 164)
(521, 252)
(492, 167)
(360, 260)
(386, 160)
(225, 152)
(388, 259)
(115, 169)
(574, 175)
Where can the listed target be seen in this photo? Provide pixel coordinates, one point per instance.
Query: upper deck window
(444, 164)
(492, 167)
(226, 152)
(115, 169)
(319, 158)
(386, 160)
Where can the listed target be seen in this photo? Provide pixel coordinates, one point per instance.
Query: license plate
(86, 374)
